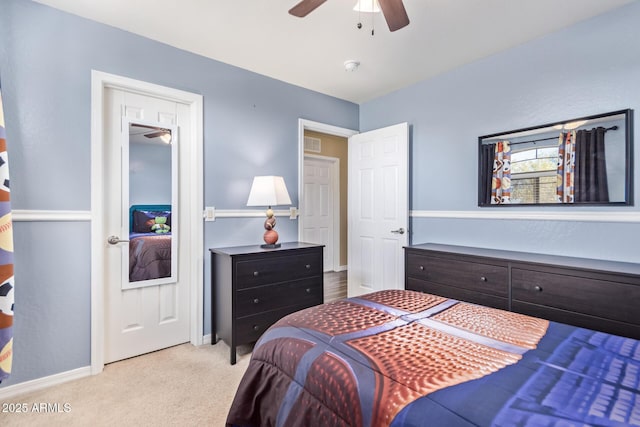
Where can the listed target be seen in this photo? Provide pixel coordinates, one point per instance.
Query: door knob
(114, 240)
(398, 231)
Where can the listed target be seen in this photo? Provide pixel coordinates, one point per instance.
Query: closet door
(142, 315)
(320, 214)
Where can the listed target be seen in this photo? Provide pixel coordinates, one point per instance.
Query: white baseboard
(44, 382)
(206, 339)
(341, 268)
(12, 391)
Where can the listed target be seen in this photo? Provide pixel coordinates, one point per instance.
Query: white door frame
(100, 82)
(303, 125)
(334, 167)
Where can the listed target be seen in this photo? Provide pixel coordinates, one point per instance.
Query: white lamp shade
(268, 191)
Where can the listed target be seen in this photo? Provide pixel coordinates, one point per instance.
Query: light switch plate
(209, 213)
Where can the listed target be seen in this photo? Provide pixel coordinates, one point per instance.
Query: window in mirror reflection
(533, 175)
(580, 161)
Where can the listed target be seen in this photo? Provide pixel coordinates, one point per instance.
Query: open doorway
(377, 220)
(323, 172)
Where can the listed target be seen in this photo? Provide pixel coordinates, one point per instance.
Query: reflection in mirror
(152, 192)
(578, 161)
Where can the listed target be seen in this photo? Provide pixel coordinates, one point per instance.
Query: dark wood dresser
(252, 288)
(595, 294)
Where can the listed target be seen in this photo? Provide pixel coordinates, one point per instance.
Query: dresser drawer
(250, 328)
(469, 275)
(266, 298)
(608, 299)
(460, 294)
(578, 319)
(273, 269)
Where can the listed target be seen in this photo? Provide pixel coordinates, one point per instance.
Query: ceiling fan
(393, 11)
(157, 134)
(159, 131)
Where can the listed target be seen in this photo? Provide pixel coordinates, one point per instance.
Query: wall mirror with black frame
(583, 161)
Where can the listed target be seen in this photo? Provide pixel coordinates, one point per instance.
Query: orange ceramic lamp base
(270, 238)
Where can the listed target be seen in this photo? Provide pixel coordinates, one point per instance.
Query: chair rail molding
(212, 213)
(515, 215)
(26, 215)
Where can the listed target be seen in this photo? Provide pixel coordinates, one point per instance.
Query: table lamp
(269, 191)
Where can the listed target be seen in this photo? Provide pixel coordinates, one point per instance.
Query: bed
(407, 358)
(149, 251)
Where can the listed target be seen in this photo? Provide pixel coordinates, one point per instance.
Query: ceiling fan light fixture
(368, 6)
(392, 10)
(575, 125)
(571, 125)
(351, 65)
(166, 138)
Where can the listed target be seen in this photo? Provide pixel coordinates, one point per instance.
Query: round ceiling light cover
(351, 65)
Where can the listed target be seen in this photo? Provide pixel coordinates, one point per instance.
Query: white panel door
(378, 209)
(318, 213)
(146, 317)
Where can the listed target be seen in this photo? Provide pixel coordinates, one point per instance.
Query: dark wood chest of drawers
(480, 280)
(252, 288)
(595, 294)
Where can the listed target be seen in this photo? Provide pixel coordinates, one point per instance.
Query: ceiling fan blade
(156, 134)
(394, 13)
(140, 125)
(305, 7)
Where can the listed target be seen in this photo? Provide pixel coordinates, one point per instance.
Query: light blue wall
(46, 58)
(589, 68)
(149, 174)
(250, 127)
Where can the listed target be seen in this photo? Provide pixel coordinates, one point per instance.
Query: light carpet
(179, 386)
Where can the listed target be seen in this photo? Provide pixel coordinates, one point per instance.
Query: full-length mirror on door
(583, 161)
(150, 201)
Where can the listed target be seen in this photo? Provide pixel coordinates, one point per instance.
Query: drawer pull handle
(256, 327)
(538, 288)
(256, 301)
(483, 279)
(421, 268)
(308, 290)
(308, 266)
(255, 274)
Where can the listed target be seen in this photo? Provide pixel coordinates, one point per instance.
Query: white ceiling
(260, 35)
